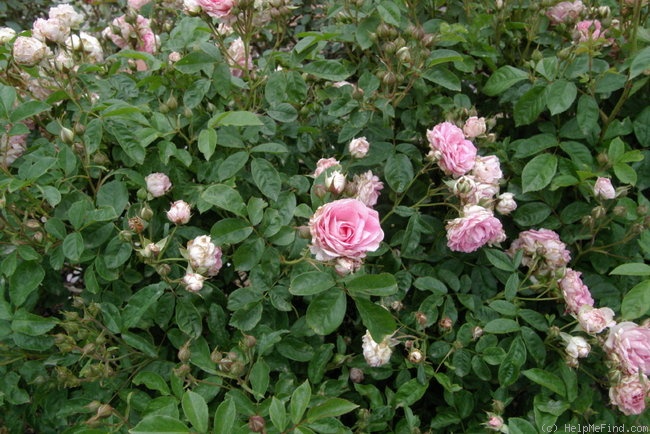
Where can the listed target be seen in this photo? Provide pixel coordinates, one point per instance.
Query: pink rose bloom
(487, 169)
(603, 189)
(158, 184)
(193, 282)
(630, 394)
(29, 51)
(474, 127)
(216, 8)
(324, 164)
(238, 59)
(344, 227)
(472, 191)
(477, 227)
(67, 15)
(575, 293)
(145, 41)
(494, 422)
(594, 321)
(359, 147)
(544, 243)
(455, 154)
(506, 203)
(629, 344)
(179, 213)
(204, 257)
(589, 30)
(50, 30)
(367, 188)
(137, 4)
(565, 11)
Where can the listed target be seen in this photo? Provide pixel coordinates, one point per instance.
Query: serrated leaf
(502, 79)
(546, 379)
(326, 311)
(640, 63)
(160, 424)
(332, 70)
(529, 106)
(380, 285)
(195, 410)
(266, 178)
(331, 407)
(299, 401)
(399, 172)
(636, 303)
(224, 197)
(632, 269)
(389, 13)
(625, 173)
(501, 325)
(410, 392)
(560, 95)
(311, 282)
(235, 118)
(207, 142)
(379, 321)
(538, 172)
(224, 417)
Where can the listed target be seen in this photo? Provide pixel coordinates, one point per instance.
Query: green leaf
(113, 194)
(640, 63)
(531, 214)
(398, 172)
(636, 303)
(248, 254)
(266, 178)
(283, 112)
(230, 231)
(381, 285)
(440, 56)
(188, 318)
(195, 410)
(501, 325)
(140, 302)
(332, 70)
(224, 417)
(326, 311)
(235, 118)
(499, 259)
(632, 269)
(379, 321)
(25, 279)
(7, 99)
(224, 197)
(207, 142)
(539, 172)
(331, 407)
(442, 76)
(233, 164)
(587, 116)
(28, 110)
(152, 381)
(410, 392)
(508, 372)
(560, 95)
(531, 104)
(140, 343)
(518, 425)
(299, 401)
(259, 377)
(546, 379)
(73, 246)
(389, 12)
(160, 424)
(625, 173)
(311, 282)
(30, 324)
(502, 79)
(278, 414)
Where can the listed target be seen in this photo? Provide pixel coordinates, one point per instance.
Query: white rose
(179, 213)
(193, 282)
(506, 203)
(6, 34)
(51, 30)
(157, 184)
(359, 147)
(29, 51)
(376, 354)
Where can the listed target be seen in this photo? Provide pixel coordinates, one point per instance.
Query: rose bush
(279, 216)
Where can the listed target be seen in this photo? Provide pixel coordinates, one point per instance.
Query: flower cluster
(127, 31)
(543, 252)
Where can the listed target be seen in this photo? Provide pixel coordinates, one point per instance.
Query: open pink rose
(541, 244)
(344, 228)
(630, 394)
(217, 8)
(477, 227)
(594, 321)
(629, 345)
(576, 294)
(565, 11)
(455, 154)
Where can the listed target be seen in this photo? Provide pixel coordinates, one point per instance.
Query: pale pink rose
(158, 184)
(67, 15)
(193, 282)
(630, 394)
(335, 182)
(367, 188)
(494, 422)
(487, 169)
(603, 189)
(629, 345)
(589, 30)
(359, 147)
(217, 8)
(575, 293)
(174, 57)
(6, 34)
(577, 347)
(191, 7)
(376, 353)
(472, 191)
(565, 11)
(137, 4)
(594, 321)
(541, 244)
(506, 203)
(29, 51)
(455, 154)
(50, 30)
(204, 257)
(344, 228)
(474, 229)
(474, 127)
(88, 45)
(179, 212)
(238, 59)
(324, 164)
(139, 37)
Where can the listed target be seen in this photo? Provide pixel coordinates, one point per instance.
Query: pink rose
(629, 345)
(137, 4)
(51, 30)
(66, 14)
(472, 191)
(576, 294)
(603, 189)
(29, 51)
(506, 203)
(477, 227)
(204, 257)
(179, 213)
(344, 228)
(455, 154)
(594, 321)
(630, 394)
(589, 30)
(324, 164)
(237, 58)
(565, 11)
(487, 169)
(216, 8)
(541, 244)
(474, 127)
(359, 147)
(158, 184)
(121, 33)
(367, 188)
(193, 282)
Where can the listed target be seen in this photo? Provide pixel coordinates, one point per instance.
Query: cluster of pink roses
(474, 181)
(345, 229)
(127, 31)
(588, 30)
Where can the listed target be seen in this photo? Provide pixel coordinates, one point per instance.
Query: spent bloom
(158, 184)
(336, 182)
(477, 226)
(11, 147)
(455, 154)
(344, 228)
(324, 164)
(565, 11)
(193, 282)
(487, 169)
(589, 30)
(367, 188)
(575, 293)
(629, 345)
(576, 346)
(630, 394)
(506, 203)
(50, 30)
(495, 423)
(359, 147)
(543, 249)
(138, 36)
(594, 321)
(179, 212)
(474, 127)
(603, 189)
(88, 45)
(377, 353)
(204, 257)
